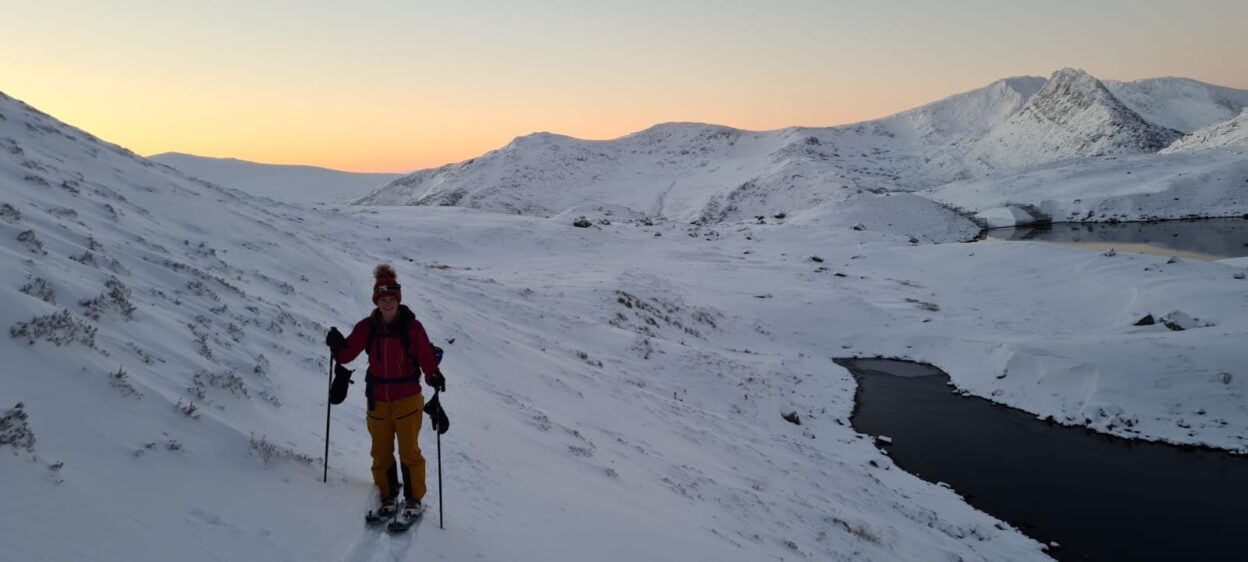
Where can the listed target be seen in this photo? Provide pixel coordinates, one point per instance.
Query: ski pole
(325, 476)
(440, 519)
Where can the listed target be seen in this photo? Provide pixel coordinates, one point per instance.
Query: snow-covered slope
(683, 171)
(290, 184)
(1182, 104)
(1072, 116)
(1207, 183)
(1231, 132)
(164, 382)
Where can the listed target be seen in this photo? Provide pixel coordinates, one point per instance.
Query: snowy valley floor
(617, 395)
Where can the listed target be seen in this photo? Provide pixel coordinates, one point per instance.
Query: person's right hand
(334, 340)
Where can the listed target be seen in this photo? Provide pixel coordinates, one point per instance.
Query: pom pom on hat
(386, 283)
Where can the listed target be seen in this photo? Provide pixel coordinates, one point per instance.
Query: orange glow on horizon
(399, 86)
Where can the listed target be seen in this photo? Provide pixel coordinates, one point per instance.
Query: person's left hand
(437, 381)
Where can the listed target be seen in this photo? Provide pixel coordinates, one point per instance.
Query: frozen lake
(1206, 239)
(1099, 497)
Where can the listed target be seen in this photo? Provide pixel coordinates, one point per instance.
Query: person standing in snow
(398, 350)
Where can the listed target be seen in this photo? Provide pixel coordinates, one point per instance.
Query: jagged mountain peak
(1074, 115)
(1069, 92)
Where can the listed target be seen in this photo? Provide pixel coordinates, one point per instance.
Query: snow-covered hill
(1181, 185)
(708, 173)
(290, 184)
(1227, 133)
(1182, 104)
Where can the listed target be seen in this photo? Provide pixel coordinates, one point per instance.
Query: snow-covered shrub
(58, 328)
(227, 381)
(10, 213)
(188, 409)
(120, 380)
(63, 212)
(201, 338)
(15, 430)
(171, 445)
(143, 354)
(236, 333)
(271, 453)
(40, 289)
(585, 357)
(32, 242)
(87, 258)
(199, 289)
(116, 296)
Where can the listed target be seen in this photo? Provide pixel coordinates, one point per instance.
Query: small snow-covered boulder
(1179, 320)
(1001, 217)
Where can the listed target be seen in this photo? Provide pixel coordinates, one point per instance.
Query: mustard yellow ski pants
(401, 419)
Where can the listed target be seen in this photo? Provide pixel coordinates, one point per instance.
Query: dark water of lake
(1099, 497)
(1209, 239)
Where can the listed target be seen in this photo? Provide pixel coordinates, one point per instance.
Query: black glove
(334, 340)
(342, 381)
(436, 381)
(437, 416)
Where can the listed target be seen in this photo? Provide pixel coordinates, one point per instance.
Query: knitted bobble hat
(386, 284)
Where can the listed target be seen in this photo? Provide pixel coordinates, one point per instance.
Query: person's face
(387, 303)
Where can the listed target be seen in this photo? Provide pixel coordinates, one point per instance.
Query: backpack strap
(405, 339)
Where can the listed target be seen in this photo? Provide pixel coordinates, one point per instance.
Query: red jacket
(386, 359)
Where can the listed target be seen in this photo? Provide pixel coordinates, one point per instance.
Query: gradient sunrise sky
(397, 85)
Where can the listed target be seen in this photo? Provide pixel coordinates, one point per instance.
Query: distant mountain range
(710, 173)
(292, 184)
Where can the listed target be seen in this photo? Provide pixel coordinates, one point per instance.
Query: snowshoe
(384, 512)
(406, 517)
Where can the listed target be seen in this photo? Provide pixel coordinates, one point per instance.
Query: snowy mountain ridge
(286, 183)
(708, 173)
(1182, 104)
(1227, 133)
